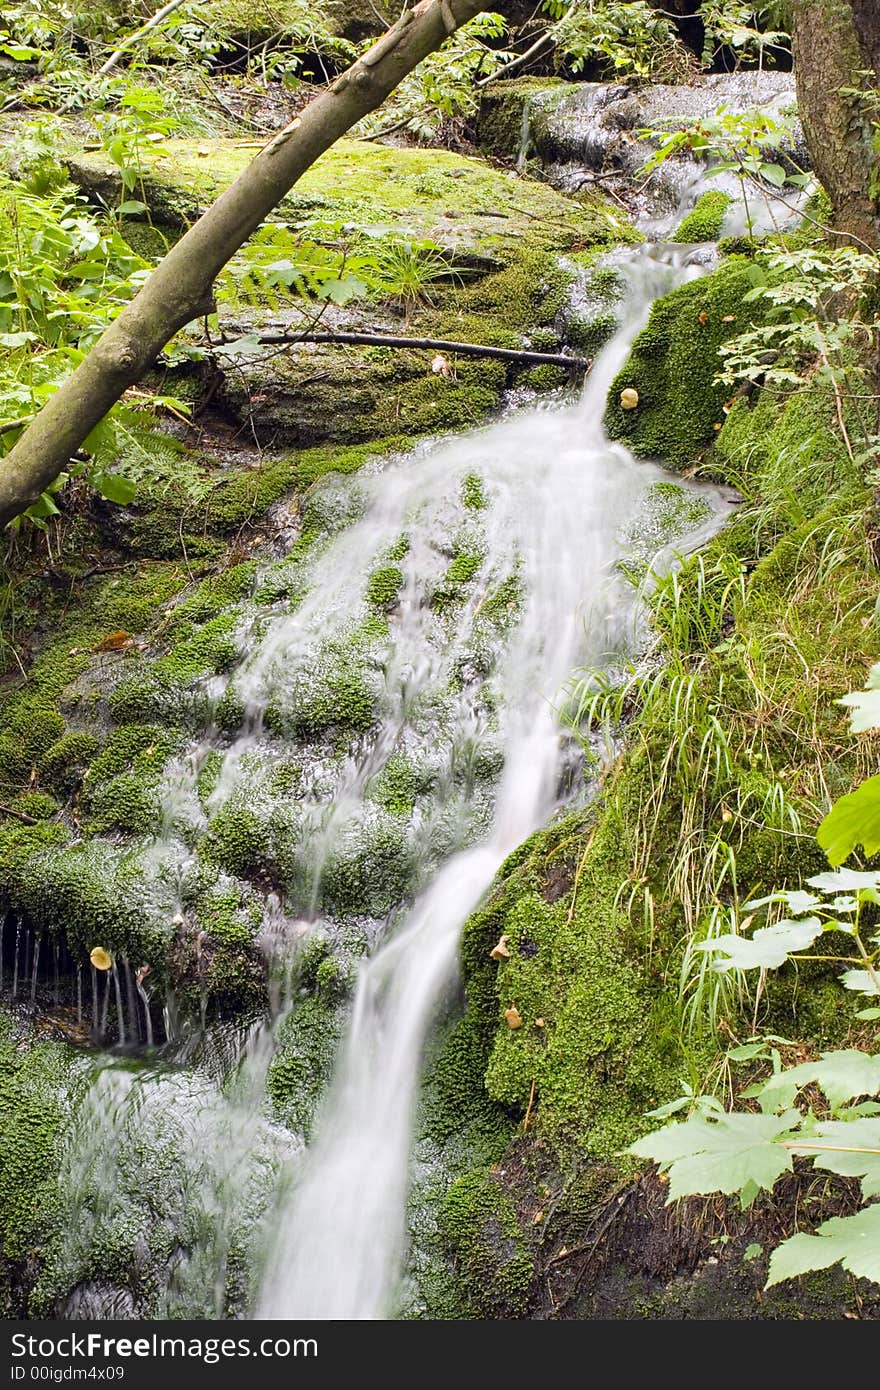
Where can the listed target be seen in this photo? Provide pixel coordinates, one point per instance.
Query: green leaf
(834, 1148)
(341, 291)
(845, 879)
(248, 345)
(842, 1075)
(114, 487)
(773, 174)
(854, 1241)
(864, 705)
(853, 820)
(767, 948)
(720, 1153)
(17, 340)
(131, 207)
(862, 981)
(796, 900)
(752, 1252)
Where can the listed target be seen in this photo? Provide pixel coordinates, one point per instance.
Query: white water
(561, 498)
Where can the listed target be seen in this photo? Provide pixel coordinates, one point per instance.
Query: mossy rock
(705, 220)
(673, 365)
(492, 1263)
(37, 1080)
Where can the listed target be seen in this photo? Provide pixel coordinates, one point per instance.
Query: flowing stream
(562, 495)
(468, 691)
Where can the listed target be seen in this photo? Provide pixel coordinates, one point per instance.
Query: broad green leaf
(845, 879)
(850, 1147)
(864, 705)
(842, 1075)
(131, 207)
(720, 1153)
(767, 948)
(862, 981)
(773, 174)
(852, 1240)
(341, 291)
(797, 901)
(248, 345)
(853, 820)
(114, 487)
(16, 340)
(752, 1251)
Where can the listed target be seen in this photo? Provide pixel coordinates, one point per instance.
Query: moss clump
(598, 1038)
(473, 494)
(64, 764)
(452, 588)
(38, 805)
(396, 786)
(33, 1106)
(338, 689)
(493, 1264)
(370, 868)
(673, 365)
(705, 220)
(383, 587)
(251, 844)
(303, 1063)
(168, 690)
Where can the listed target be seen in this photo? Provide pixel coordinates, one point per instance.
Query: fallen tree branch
(179, 288)
(552, 359)
(18, 815)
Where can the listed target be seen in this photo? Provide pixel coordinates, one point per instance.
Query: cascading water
(534, 512)
(561, 496)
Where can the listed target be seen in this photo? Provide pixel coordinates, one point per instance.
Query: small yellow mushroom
(629, 398)
(513, 1017)
(101, 959)
(499, 951)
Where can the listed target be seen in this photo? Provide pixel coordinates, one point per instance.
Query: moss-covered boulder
(673, 366)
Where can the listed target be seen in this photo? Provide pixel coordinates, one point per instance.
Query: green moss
(370, 867)
(396, 786)
(339, 688)
(39, 805)
(383, 587)
(239, 841)
(673, 365)
(598, 1037)
(303, 1063)
(64, 764)
(473, 494)
(33, 1080)
(705, 220)
(493, 1263)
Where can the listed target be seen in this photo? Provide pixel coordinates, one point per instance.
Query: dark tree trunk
(837, 65)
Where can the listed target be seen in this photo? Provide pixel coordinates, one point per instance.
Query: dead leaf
(440, 366)
(729, 318)
(539, 1023)
(629, 398)
(499, 951)
(115, 642)
(703, 317)
(513, 1017)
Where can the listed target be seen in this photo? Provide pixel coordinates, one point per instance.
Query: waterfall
(505, 545)
(562, 495)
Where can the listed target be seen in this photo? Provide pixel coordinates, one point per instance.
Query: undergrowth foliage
(747, 1151)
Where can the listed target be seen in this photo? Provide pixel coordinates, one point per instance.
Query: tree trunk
(179, 289)
(837, 65)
